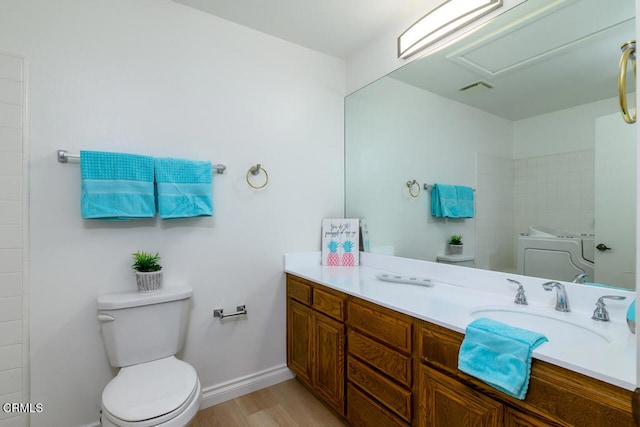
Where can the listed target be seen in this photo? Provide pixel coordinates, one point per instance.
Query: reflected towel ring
(410, 184)
(628, 53)
(255, 170)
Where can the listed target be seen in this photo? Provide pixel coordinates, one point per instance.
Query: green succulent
(146, 262)
(456, 239)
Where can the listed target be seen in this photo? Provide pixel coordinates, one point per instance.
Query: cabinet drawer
(330, 303)
(385, 391)
(365, 412)
(390, 362)
(384, 325)
(298, 290)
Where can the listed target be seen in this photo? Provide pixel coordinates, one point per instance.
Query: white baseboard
(244, 385)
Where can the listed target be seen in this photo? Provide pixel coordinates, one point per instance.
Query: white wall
(559, 132)
(554, 168)
(158, 78)
(14, 298)
(398, 133)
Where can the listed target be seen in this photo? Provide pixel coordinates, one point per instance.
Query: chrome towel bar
(429, 187)
(64, 157)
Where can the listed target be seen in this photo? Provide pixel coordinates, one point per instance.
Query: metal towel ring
(628, 53)
(410, 184)
(255, 170)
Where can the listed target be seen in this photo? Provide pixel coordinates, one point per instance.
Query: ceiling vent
(476, 87)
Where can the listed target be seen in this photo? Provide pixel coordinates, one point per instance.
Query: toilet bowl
(164, 392)
(142, 333)
(461, 260)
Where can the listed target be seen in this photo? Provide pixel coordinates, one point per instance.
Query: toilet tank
(139, 327)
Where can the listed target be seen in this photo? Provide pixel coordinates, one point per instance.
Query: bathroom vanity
(385, 354)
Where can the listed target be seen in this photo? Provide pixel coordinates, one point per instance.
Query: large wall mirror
(525, 111)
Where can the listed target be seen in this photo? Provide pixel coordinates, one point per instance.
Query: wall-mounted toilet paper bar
(241, 309)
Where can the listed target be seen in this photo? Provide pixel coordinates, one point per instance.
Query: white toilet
(142, 332)
(461, 260)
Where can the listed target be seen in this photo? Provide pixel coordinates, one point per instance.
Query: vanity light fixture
(445, 19)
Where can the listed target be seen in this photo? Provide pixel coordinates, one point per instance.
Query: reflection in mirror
(524, 110)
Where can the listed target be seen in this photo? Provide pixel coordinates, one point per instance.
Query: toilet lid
(149, 390)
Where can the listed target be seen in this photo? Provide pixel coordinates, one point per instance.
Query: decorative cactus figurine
(347, 256)
(332, 258)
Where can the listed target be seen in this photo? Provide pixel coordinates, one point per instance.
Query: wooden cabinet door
(299, 340)
(513, 418)
(328, 362)
(445, 402)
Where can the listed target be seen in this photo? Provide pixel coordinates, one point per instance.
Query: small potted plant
(455, 244)
(148, 271)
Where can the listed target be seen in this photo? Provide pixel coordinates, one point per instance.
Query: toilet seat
(151, 393)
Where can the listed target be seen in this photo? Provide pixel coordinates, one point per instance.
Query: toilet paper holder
(240, 310)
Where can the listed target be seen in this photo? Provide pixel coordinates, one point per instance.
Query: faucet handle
(520, 298)
(600, 313)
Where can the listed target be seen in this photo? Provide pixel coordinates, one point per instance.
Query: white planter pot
(149, 281)
(455, 249)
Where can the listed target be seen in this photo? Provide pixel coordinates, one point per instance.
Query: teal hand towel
(452, 201)
(184, 188)
(116, 186)
(442, 198)
(465, 202)
(499, 355)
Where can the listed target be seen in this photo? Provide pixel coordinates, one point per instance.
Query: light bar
(445, 19)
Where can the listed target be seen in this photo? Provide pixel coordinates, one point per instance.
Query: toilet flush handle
(602, 247)
(106, 318)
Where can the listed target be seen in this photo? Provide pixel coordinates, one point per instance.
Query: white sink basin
(557, 328)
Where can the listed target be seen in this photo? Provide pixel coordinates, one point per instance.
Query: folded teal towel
(499, 355)
(184, 188)
(452, 201)
(116, 186)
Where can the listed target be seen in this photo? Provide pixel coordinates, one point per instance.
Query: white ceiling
(335, 27)
(541, 56)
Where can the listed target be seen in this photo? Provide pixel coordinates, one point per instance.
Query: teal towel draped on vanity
(116, 186)
(499, 355)
(184, 188)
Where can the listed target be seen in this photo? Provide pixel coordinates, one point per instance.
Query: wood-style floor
(288, 404)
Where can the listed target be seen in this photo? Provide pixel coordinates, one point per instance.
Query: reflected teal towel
(499, 355)
(452, 201)
(116, 186)
(184, 188)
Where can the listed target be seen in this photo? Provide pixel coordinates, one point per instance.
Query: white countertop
(606, 350)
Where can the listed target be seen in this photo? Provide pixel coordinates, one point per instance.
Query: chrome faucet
(521, 298)
(562, 301)
(601, 314)
(580, 278)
